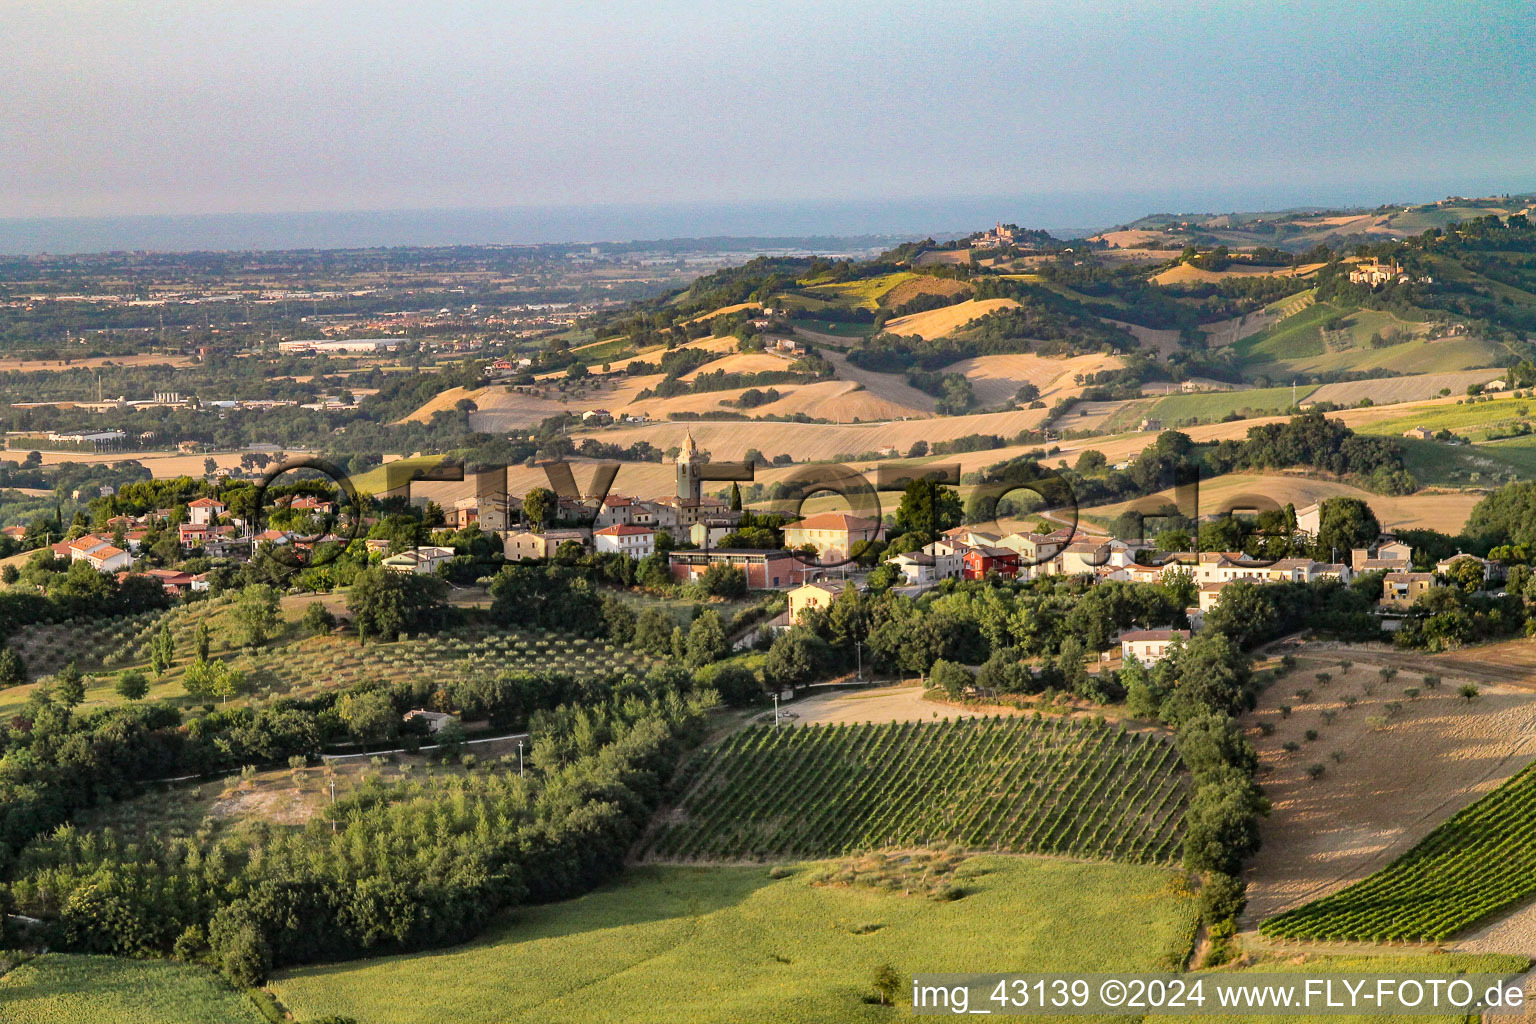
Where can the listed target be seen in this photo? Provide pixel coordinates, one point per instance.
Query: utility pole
(858, 647)
(519, 758)
(775, 709)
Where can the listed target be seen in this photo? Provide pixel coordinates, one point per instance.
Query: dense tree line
(392, 868)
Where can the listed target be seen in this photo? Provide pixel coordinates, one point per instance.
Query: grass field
(56, 988)
(1475, 420)
(865, 293)
(1299, 344)
(725, 944)
(1448, 355)
(1208, 408)
(1061, 786)
(1435, 464)
(1442, 886)
(1294, 337)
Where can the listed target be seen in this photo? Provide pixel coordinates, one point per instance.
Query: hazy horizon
(1062, 213)
(300, 109)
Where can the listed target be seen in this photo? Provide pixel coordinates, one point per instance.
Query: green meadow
(721, 944)
(57, 988)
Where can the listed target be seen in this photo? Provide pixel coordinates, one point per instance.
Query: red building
(764, 568)
(978, 561)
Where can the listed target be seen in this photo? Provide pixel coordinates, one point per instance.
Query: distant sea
(1065, 214)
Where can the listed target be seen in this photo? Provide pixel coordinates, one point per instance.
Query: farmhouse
(422, 560)
(1445, 565)
(82, 546)
(1391, 555)
(434, 720)
(811, 595)
(522, 544)
(1149, 645)
(1401, 589)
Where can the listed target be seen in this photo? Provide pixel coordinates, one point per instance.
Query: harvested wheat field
(838, 401)
(1445, 512)
(891, 387)
(841, 401)
(1416, 387)
(163, 465)
(903, 703)
(1184, 273)
(500, 408)
(740, 362)
(1130, 238)
(941, 257)
(995, 379)
(723, 311)
(1163, 342)
(653, 354)
(813, 441)
(936, 323)
(57, 365)
(1393, 766)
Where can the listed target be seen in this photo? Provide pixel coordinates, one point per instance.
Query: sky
(218, 107)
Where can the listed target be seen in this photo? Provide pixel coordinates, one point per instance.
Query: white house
(204, 510)
(85, 545)
(109, 559)
(919, 568)
(635, 541)
(1149, 645)
(1445, 565)
(421, 561)
(1309, 519)
(435, 719)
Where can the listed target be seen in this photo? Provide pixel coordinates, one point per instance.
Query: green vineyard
(1061, 786)
(1479, 861)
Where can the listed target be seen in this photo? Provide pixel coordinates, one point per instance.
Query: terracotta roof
(205, 503)
(834, 521)
(623, 531)
(1154, 634)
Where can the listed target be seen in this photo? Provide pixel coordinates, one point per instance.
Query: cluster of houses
(1377, 273)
